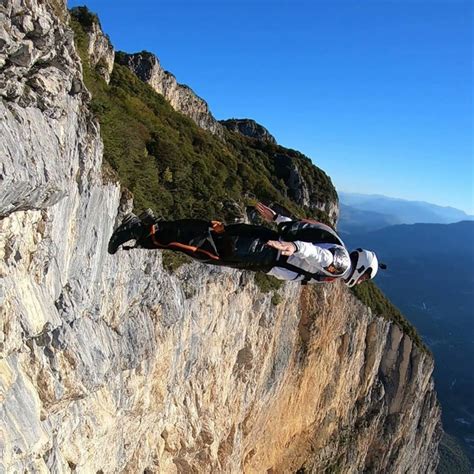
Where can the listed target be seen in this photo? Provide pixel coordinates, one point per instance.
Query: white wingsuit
(313, 258)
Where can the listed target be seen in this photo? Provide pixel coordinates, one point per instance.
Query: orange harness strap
(180, 246)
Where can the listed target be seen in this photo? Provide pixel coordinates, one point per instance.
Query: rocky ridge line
(181, 97)
(249, 128)
(147, 68)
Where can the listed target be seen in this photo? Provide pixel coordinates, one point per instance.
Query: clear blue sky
(378, 93)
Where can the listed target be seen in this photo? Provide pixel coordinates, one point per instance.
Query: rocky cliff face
(44, 123)
(249, 128)
(100, 49)
(181, 97)
(300, 189)
(113, 364)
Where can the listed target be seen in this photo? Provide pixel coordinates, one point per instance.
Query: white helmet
(364, 263)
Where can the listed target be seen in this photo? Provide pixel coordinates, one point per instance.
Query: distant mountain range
(455, 241)
(364, 212)
(430, 277)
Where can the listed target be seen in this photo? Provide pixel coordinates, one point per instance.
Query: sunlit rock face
(42, 97)
(114, 364)
(100, 49)
(181, 97)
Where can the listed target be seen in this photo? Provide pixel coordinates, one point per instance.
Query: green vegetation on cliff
(173, 166)
(452, 458)
(179, 170)
(84, 17)
(369, 294)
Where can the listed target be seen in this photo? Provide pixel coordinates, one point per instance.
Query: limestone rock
(23, 56)
(249, 128)
(100, 49)
(300, 187)
(181, 97)
(42, 125)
